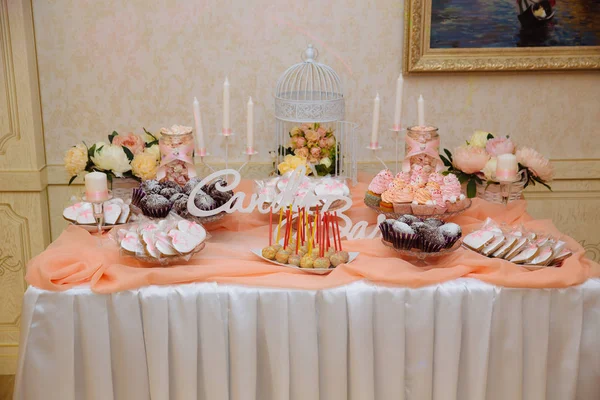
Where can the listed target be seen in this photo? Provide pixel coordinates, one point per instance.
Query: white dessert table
(461, 340)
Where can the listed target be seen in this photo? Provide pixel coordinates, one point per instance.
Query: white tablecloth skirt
(461, 340)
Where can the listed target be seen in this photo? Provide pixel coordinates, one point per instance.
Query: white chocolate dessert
(115, 212)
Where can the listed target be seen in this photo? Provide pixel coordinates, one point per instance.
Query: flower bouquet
(312, 145)
(124, 156)
(475, 163)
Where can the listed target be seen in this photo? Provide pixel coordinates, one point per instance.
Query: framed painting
(501, 35)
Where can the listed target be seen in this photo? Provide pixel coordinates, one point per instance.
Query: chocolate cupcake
(156, 206)
(204, 202)
(219, 196)
(403, 236)
(432, 241)
(409, 219)
(386, 229)
(168, 192)
(192, 183)
(171, 185)
(452, 232)
(177, 196)
(151, 187)
(137, 196)
(433, 222)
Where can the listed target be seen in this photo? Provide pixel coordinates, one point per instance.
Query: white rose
(490, 169)
(155, 150)
(111, 158)
(479, 139)
(326, 162)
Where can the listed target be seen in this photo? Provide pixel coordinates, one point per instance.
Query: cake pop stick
(279, 225)
(298, 231)
(271, 226)
(318, 227)
(327, 231)
(287, 226)
(313, 235)
(337, 228)
(290, 223)
(333, 232)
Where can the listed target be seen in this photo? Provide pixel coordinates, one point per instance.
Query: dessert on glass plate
(421, 192)
(420, 238)
(518, 245)
(115, 212)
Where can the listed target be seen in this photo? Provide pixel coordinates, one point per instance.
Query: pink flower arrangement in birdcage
(310, 144)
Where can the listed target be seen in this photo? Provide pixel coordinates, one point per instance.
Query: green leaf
(448, 154)
(112, 136)
(490, 136)
(92, 150)
(446, 162)
(538, 180)
(72, 179)
(471, 189)
(477, 179)
(128, 153)
(462, 178)
(100, 148)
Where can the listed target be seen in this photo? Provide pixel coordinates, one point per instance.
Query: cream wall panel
(124, 65)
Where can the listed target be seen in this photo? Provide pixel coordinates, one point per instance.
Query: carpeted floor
(6, 386)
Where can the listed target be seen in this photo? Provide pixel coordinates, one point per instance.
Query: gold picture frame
(420, 58)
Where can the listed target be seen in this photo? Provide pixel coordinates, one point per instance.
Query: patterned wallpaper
(127, 64)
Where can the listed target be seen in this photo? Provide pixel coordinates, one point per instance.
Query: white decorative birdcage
(309, 97)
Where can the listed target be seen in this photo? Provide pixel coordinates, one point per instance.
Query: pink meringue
(381, 181)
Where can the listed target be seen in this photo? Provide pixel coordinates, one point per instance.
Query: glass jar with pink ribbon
(177, 154)
(422, 148)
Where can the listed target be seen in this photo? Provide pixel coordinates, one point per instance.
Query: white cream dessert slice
(529, 253)
(478, 240)
(494, 245)
(521, 242)
(564, 254)
(507, 246)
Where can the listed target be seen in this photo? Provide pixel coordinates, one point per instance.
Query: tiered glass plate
(422, 255)
(439, 216)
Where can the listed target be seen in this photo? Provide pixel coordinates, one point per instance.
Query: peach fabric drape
(76, 258)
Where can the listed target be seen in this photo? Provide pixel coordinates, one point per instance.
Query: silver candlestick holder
(98, 210)
(375, 147)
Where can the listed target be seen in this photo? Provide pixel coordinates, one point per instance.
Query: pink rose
(536, 163)
(315, 151)
(133, 142)
(322, 132)
(330, 141)
(300, 142)
(323, 143)
(470, 159)
(500, 145)
(303, 152)
(311, 135)
(313, 160)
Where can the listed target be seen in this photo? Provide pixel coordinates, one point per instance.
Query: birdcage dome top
(309, 91)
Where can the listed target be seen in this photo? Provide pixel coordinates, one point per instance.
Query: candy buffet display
(422, 192)
(163, 242)
(316, 245)
(517, 245)
(430, 235)
(177, 155)
(486, 161)
(156, 199)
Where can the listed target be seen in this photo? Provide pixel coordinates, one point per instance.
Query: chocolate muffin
(452, 232)
(151, 187)
(432, 241)
(180, 206)
(192, 183)
(220, 197)
(155, 205)
(409, 219)
(171, 185)
(433, 222)
(168, 192)
(177, 196)
(204, 202)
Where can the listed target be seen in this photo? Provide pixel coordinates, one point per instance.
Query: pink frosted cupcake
(378, 185)
(402, 199)
(451, 193)
(423, 203)
(418, 178)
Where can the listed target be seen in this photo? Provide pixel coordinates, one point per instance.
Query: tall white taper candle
(250, 125)
(200, 147)
(398, 108)
(226, 121)
(421, 111)
(375, 130)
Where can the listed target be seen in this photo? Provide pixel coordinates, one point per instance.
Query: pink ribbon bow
(182, 153)
(430, 148)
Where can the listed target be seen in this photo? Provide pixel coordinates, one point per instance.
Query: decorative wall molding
(23, 181)
(592, 251)
(9, 79)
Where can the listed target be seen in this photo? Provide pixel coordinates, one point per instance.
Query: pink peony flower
(330, 141)
(315, 151)
(303, 152)
(323, 143)
(133, 142)
(300, 142)
(500, 145)
(536, 163)
(470, 159)
(322, 132)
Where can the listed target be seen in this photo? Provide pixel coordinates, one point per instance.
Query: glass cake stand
(445, 215)
(422, 256)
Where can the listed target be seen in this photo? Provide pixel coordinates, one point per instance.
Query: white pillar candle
(398, 109)
(375, 130)
(421, 111)
(507, 168)
(226, 122)
(200, 148)
(96, 187)
(250, 125)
